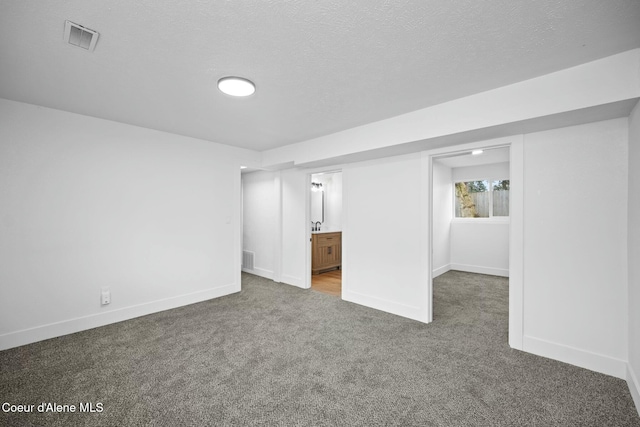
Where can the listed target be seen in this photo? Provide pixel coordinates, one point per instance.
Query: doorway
(471, 212)
(497, 248)
(325, 221)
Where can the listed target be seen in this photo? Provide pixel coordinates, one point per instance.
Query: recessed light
(236, 86)
(243, 167)
(476, 152)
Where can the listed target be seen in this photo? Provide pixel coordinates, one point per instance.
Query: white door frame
(516, 226)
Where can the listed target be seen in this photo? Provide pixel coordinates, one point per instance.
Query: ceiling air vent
(80, 36)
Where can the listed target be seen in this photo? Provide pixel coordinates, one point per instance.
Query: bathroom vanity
(326, 248)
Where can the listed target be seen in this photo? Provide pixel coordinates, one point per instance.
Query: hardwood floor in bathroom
(329, 283)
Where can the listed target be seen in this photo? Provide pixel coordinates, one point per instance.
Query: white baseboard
(65, 327)
(440, 270)
(399, 309)
(634, 386)
(481, 270)
(575, 356)
(293, 281)
(267, 274)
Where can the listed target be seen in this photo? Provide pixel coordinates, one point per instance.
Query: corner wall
(385, 246)
(633, 300)
(88, 203)
(575, 245)
(442, 215)
(261, 211)
(275, 224)
(296, 266)
(480, 245)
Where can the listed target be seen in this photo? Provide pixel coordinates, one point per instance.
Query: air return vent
(80, 36)
(247, 260)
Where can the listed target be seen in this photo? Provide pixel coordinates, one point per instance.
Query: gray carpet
(277, 355)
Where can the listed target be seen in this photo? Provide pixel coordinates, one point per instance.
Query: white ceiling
(319, 66)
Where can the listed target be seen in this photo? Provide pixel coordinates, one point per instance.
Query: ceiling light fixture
(236, 86)
(476, 152)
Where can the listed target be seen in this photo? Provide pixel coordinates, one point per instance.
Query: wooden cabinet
(326, 251)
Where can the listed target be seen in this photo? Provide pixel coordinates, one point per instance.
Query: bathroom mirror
(317, 205)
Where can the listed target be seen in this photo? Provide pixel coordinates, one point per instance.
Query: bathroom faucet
(318, 224)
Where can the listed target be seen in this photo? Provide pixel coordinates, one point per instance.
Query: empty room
(176, 178)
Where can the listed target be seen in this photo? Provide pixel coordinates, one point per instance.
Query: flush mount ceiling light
(236, 86)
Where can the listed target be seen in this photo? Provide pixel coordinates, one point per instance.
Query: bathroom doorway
(325, 214)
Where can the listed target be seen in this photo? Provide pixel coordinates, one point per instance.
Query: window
(500, 197)
(482, 199)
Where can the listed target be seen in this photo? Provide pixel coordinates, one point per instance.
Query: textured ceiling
(319, 66)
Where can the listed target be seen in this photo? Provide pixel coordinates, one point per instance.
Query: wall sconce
(316, 186)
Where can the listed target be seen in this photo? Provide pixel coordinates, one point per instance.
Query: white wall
(481, 245)
(334, 201)
(261, 211)
(275, 224)
(89, 203)
(295, 244)
(442, 216)
(385, 246)
(633, 299)
(575, 250)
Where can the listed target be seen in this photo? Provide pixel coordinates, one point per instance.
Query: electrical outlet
(105, 296)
